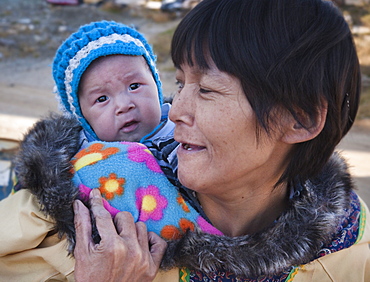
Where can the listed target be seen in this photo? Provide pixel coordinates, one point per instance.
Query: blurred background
(32, 30)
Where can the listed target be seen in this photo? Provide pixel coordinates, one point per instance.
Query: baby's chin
(138, 136)
(130, 138)
(135, 136)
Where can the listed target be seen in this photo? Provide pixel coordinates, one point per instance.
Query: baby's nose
(124, 104)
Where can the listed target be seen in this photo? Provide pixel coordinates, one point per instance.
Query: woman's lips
(191, 147)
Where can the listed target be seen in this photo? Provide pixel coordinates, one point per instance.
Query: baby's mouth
(130, 126)
(129, 123)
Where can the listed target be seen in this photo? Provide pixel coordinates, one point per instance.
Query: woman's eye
(204, 91)
(134, 86)
(102, 99)
(180, 85)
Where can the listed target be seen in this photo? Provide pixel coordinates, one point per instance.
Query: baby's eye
(134, 86)
(102, 99)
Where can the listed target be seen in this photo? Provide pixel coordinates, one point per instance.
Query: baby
(107, 83)
(106, 78)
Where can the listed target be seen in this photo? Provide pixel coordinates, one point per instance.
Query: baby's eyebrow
(95, 90)
(137, 74)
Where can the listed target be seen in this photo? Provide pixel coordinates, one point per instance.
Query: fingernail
(76, 207)
(94, 193)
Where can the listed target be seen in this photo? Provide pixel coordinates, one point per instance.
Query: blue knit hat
(90, 42)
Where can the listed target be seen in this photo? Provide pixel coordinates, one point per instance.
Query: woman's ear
(306, 129)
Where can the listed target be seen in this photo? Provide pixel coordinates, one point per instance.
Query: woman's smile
(190, 147)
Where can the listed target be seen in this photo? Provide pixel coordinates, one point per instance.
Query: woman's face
(216, 127)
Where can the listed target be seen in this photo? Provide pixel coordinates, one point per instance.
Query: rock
(360, 30)
(62, 28)
(24, 21)
(7, 42)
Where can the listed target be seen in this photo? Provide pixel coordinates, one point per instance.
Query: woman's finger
(125, 225)
(82, 224)
(142, 236)
(103, 218)
(157, 248)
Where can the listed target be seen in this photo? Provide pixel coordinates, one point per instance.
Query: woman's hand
(126, 252)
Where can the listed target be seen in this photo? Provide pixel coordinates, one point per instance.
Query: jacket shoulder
(350, 264)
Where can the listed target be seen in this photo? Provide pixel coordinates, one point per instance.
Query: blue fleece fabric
(130, 179)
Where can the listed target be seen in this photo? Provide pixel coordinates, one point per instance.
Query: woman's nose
(183, 106)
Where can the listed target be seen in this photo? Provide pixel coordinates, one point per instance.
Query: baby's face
(119, 98)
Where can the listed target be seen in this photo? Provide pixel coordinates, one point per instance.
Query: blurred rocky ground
(36, 28)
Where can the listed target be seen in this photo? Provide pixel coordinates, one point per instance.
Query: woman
(267, 89)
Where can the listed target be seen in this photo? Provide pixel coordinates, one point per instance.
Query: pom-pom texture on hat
(90, 42)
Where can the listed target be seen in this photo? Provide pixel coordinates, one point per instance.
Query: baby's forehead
(124, 68)
(103, 59)
(114, 63)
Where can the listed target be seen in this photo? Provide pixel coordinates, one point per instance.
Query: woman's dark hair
(288, 54)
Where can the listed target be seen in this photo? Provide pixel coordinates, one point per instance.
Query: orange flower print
(182, 203)
(111, 186)
(171, 232)
(91, 155)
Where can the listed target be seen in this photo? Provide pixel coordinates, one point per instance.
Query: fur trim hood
(295, 238)
(43, 166)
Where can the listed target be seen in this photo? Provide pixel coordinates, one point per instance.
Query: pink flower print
(206, 227)
(140, 153)
(150, 203)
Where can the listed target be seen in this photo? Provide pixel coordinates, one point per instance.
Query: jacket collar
(297, 237)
